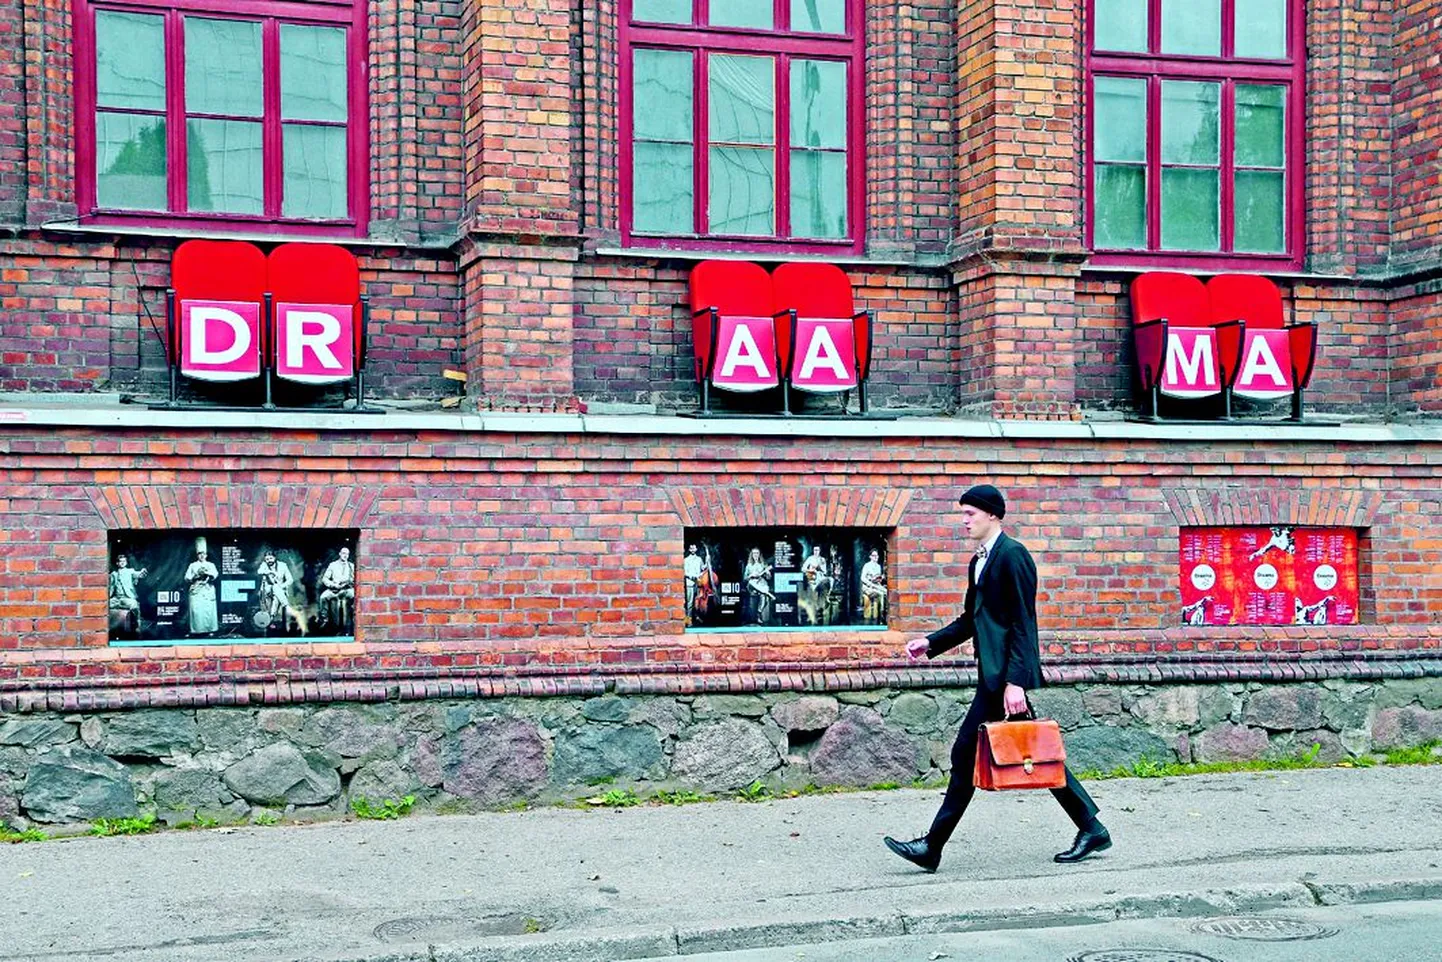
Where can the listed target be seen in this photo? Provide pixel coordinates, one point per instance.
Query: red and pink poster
(1279, 575)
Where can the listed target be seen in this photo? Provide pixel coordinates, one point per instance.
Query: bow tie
(981, 552)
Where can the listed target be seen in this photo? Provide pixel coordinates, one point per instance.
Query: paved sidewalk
(664, 881)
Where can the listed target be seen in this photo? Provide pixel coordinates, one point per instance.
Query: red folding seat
(1181, 351)
(214, 271)
(322, 275)
(731, 322)
(828, 342)
(1276, 358)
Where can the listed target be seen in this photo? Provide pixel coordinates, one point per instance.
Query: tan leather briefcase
(1020, 754)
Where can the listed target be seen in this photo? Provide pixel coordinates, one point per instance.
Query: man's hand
(916, 648)
(1014, 700)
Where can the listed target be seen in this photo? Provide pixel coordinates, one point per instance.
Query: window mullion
(702, 140)
(1229, 29)
(177, 160)
(1154, 163)
(272, 134)
(1154, 25)
(783, 145)
(1227, 187)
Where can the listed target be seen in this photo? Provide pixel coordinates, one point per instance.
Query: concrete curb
(669, 942)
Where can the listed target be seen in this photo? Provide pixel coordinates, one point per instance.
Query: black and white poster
(195, 586)
(785, 577)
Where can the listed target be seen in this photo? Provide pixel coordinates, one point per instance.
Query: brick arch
(821, 507)
(230, 506)
(1251, 506)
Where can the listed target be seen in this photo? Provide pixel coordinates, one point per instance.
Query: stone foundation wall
(312, 760)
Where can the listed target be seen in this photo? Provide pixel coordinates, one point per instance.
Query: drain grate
(1141, 955)
(1256, 929)
(451, 928)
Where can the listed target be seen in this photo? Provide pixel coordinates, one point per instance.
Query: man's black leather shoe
(1087, 841)
(918, 851)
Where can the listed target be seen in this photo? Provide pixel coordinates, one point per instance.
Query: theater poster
(785, 578)
(1274, 575)
(196, 586)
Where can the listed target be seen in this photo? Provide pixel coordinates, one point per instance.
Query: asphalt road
(1393, 932)
(667, 881)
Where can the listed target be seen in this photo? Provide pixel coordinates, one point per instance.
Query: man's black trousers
(988, 706)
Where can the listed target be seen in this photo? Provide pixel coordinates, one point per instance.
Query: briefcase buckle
(1026, 765)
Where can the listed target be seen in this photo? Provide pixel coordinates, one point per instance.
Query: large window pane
(129, 60)
(225, 168)
(1261, 125)
(315, 172)
(223, 67)
(663, 189)
(1121, 25)
(1190, 209)
(1189, 122)
(743, 191)
(743, 13)
(818, 16)
(1120, 207)
(1261, 28)
(1259, 212)
(1192, 27)
(818, 193)
(742, 100)
(818, 103)
(1120, 124)
(312, 73)
(663, 95)
(130, 161)
(661, 11)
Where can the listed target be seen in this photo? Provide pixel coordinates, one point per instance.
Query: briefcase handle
(1029, 716)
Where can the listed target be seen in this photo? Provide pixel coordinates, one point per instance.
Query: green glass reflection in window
(1260, 212)
(1119, 123)
(662, 84)
(312, 73)
(742, 99)
(315, 172)
(1261, 125)
(663, 188)
(222, 67)
(818, 193)
(1190, 209)
(1119, 207)
(1190, 130)
(743, 191)
(1261, 29)
(755, 14)
(661, 11)
(225, 167)
(129, 61)
(818, 16)
(818, 103)
(1192, 27)
(1121, 25)
(130, 161)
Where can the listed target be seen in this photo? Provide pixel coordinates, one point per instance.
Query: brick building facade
(537, 541)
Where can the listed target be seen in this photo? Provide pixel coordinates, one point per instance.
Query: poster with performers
(196, 586)
(1207, 588)
(1325, 566)
(1275, 575)
(785, 577)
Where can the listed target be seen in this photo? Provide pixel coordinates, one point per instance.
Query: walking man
(1000, 613)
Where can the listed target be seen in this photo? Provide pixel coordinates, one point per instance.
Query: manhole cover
(1263, 930)
(1141, 955)
(450, 928)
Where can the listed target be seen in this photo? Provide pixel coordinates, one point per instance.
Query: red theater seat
(1276, 358)
(731, 300)
(210, 270)
(322, 274)
(1181, 350)
(806, 293)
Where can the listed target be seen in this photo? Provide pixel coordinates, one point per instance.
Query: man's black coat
(1000, 613)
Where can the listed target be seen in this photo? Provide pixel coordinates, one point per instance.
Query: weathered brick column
(1020, 237)
(522, 217)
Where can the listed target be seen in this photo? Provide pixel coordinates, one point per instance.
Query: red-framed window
(1195, 132)
(247, 114)
(741, 124)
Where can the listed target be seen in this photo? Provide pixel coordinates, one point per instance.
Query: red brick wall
(1417, 342)
(545, 547)
(1417, 134)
